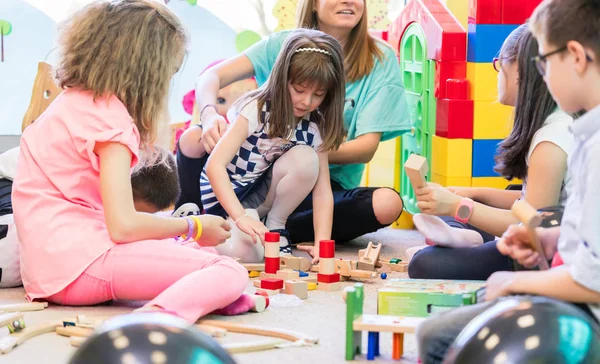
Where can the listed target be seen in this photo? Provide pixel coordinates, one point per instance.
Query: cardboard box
(422, 297)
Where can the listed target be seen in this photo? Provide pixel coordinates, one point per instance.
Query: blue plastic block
(484, 151)
(373, 348)
(485, 41)
(301, 273)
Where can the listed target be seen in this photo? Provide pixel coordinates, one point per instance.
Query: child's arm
(359, 150)
(216, 172)
(124, 223)
(493, 197)
(322, 205)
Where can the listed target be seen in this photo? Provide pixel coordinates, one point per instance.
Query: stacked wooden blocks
(328, 279)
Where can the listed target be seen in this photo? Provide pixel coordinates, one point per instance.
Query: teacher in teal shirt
(375, 110)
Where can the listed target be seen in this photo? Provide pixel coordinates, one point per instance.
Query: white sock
(437, 232)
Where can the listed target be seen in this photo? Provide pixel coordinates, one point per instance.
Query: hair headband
(312, 50)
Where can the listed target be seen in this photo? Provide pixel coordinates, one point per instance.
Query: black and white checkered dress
(258, 153)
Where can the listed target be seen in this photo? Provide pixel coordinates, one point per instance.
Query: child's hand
(254, 228)
(516, 243)
(434, 199)
(498, 285)
(214, 126)
(311, 250)
(215, 230)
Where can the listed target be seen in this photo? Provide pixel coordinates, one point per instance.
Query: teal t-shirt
(374, 104)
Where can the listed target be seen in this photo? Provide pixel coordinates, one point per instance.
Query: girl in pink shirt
(82, 241)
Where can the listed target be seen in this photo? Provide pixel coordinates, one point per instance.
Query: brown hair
(559, 21)
(359, 51)
(533, 106)
(325, 70)
(157, 184)
(126, 48)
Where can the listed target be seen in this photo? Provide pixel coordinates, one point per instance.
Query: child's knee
(305, 159)
(188, 142)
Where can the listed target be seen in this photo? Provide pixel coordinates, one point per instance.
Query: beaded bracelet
(198, 227)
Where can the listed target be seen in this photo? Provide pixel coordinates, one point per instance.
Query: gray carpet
(321, 315)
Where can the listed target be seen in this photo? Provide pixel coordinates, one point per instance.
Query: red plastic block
(457, 89)
(518, 11)
(454, 119)
(445, 70)
(272, 265)
(327, 249)
(328, 278)
(271, 237)
(271, 283)
(485, 11)
(446, 39)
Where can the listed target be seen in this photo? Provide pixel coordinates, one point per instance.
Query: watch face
(463, 212)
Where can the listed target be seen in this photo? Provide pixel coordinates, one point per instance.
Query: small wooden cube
(297, 288)
(264, 275)
(329, 287)
(287, 274)
(271, 283)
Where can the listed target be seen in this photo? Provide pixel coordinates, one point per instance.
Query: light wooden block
(295, 263)
(385, 323)
(287, 274)
(264, 275)
(23, 307)
(297, 288)
(328, 287)
(416, 168)
(271, 250)
(327, 266)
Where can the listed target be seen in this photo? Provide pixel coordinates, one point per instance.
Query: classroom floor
(321, 315)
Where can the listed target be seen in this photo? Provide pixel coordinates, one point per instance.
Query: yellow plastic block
(384, 167)
(460, 9)
(451, 157)
(492, 120)
(364, 182)
(451, 181)
(493, 182)
(483, 79)
(405, 221)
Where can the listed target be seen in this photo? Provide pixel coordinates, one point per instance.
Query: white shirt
(579, 242)
(8, 163)
(556, 130)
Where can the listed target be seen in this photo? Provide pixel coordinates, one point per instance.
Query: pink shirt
(56, 194)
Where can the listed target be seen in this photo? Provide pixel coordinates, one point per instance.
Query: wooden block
(264, 275)
(416, 168)
(328, 287)
(369, 258)
(256, 283)
(362, 274)
(269, 292)
(328, 278)
(258, 267)
(385, 323)
(310, 278)
(271, 283)
(295, 263)
(400, 267)
(74, 331)
(312, 286)
(23, 307)
(366, 266)
(271, 250)
(297, 288)
(287, 274)
(7, 343)
(343, 267)
(327, 266)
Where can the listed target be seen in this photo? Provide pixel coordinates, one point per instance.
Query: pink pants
(187, 279)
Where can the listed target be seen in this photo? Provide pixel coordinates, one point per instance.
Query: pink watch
(464, 210)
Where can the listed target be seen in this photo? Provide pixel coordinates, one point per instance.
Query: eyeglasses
(497, 62)
(541, 60)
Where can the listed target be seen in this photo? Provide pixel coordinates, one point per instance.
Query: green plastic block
(422, 297)
(395, 260)
(354, 308)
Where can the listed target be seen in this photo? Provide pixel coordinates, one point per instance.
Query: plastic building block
(384, 166)
(446, 38)
(485, 41)
(413, 67)
(485, 11)
(328, 278)
(454, 119)
(483, 81)
(483, 157)
(270, 283)
(492, 120)
(517, 11)
(327, 249)
(444, 71)
(493, 182)
(354, 308)
(460, 9)
(451, 157)
(451, 181)
(395, 260)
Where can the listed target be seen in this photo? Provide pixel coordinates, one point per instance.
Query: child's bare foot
(437, 232)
